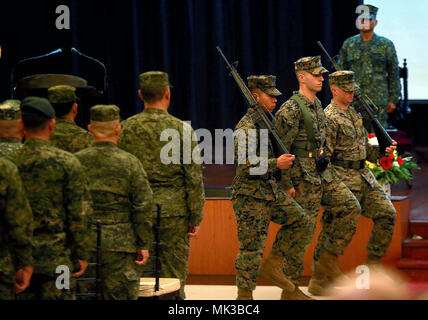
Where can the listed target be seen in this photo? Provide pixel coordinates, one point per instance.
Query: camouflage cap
(38, 105)
(343, 79)
(154, 79)
(310, 64)
(12, 102)
(104, 113)
(10, 112)
(264, 83)
(372, 12)
(62, 94)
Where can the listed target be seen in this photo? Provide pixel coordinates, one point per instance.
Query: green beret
(37, 105)
(310, 64)
(154, 79)
(105, 113)
(343, 79)
(10, 112)
(264, 83)
(62, 94)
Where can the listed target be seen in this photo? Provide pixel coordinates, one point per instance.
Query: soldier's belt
(266, 176)
(349, 164)
(303, 153)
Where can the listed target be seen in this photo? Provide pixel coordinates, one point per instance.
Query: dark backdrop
(179, 37)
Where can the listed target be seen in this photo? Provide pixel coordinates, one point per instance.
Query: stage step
(419, 227)
(415, 249)
(416, 269)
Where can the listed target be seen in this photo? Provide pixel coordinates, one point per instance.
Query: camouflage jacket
(15, 223)
(264, 186)
(291, 128)
(375, 65)
(69, 136)
(177, 187)
(121, 196)
(347, 139)
(57, 190)
(8, 146)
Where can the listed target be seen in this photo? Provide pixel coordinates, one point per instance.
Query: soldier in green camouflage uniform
(16, 233)
(67, 135)
(259, 199)
(374, 61)
(122, 201)
(177, 187)
(11, 129)
(303, 128)
(348, 148)
(57, 191)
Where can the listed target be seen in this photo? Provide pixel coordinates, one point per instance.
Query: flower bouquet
(392, 168)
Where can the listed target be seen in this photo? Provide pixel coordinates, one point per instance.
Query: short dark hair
(152, 94)
(62, 109)
(34, 121)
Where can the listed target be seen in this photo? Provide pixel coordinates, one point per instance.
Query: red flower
(400, 161)
(371, 135)
(391, 156)
(386, 163)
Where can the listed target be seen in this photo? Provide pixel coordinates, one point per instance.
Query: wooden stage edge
(213, 252)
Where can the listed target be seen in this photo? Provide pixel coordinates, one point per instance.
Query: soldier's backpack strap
(308, 123)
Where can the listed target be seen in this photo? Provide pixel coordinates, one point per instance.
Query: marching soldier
(348, 148)
(374, 61)
(56, 188)
(67, 134)
(302, 126)
(177, 187)
(11, 128)
(16, 260)
(122, 201)
(259, 199)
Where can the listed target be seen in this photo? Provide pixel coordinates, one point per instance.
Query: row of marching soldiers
(56, 185)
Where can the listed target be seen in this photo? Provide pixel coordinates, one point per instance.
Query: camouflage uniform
(15, 228)
(314, 189)
(56, 188)
(9, 112)
(376, 68)
(348, 147)
(67, 135)
(259, 199)
(122, 200)
(177, 187)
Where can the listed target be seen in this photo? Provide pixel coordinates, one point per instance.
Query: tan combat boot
(271, 269)
(319, 283)
(244, 294)
(329, 265)
(297, 294)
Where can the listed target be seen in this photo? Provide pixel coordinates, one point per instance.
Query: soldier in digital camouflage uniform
(258, 199)
(348, 148)
(67, 135)
(56, 188)
(16, 233)
(122, 201)
(374, 61)
(302, 126)
(11, 128)
(176, 186)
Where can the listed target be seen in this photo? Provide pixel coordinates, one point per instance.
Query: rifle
(380, 132)
(267, 122)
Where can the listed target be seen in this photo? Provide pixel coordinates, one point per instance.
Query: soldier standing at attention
(311, 182)
(259, 199)
(348, 148)
(67, 134)
(177, 187)
(122, 201)
(11, 128)
(56, 189)
(16, 260)
(374, 61)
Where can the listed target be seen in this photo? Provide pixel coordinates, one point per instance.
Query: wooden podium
(213, 253)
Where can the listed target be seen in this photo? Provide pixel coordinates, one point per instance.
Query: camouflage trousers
(253, 217)
(119, 276)
(340, 218)
(375, 205)
(43, 287)
(6, 288)
(174, 251)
